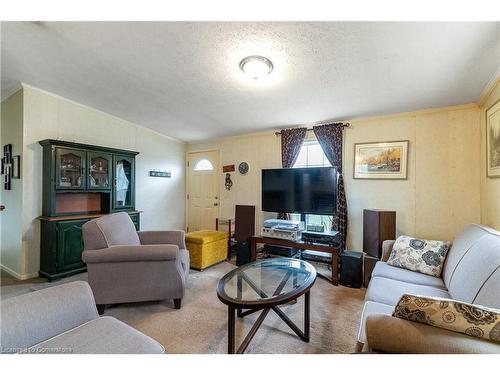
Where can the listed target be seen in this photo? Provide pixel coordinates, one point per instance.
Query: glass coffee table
(263, 286)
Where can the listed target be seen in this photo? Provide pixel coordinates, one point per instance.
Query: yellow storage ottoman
(206, 248)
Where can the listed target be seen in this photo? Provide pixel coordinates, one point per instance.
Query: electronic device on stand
(283, 229)
(329, 237)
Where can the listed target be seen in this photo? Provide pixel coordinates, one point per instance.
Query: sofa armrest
(386, 249)
(34, 317)
(173, 237)
(388, 334)
(115, 254)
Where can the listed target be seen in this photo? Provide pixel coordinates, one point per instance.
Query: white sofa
(471, 274)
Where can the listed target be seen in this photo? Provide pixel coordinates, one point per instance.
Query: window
(203, 165)
(311, 155)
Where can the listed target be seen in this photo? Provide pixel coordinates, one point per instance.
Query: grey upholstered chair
(128, 266)
(63, 319)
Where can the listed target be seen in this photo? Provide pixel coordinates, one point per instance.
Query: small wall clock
(243, 167)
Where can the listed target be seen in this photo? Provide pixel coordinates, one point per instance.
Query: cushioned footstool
(206, 248)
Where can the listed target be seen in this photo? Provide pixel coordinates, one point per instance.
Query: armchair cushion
(115, 254)
(472, 320)
(174, 237)
(424, 256)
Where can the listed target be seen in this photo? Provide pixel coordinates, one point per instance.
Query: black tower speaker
(242, 253)
(351, 269)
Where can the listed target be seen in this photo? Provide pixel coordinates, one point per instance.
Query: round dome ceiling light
(256, 66)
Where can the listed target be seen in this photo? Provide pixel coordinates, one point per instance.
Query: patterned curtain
(330, 138)
(291, 142)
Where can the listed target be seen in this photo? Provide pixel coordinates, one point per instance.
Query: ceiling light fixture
(256, 66)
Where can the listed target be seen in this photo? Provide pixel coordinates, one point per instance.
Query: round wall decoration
(243, 167)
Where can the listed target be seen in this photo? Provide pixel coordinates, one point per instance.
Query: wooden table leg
(229, 241)
(239, 292)
(307, 316)
(230, 330)
(253, 331)
(335, 268)
(253, 250)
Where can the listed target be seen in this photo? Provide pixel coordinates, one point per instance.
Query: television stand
(324, 248)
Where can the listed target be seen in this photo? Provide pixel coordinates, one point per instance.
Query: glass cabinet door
(70, 169)
(123, 175)
(99, 171)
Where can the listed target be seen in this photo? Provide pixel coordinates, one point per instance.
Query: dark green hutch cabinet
(80, 182)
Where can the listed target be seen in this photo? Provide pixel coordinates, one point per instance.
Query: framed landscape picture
(493, 140)
(381, 160)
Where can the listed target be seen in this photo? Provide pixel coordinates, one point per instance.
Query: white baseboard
(18, 275)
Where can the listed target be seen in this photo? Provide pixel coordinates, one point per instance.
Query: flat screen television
(300, 190)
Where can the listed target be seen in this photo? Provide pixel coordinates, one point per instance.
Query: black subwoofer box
(351, 269)
(242, 253)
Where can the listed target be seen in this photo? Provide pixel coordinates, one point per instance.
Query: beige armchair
(129, 266)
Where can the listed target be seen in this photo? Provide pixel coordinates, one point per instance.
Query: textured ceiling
(182, 78)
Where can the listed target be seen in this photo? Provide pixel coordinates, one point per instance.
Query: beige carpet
(201, 325)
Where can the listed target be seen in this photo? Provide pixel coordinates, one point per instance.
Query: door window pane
(203, 165)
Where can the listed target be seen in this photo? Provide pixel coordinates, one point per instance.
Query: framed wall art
(493, 140)
(7, 166)
(381, 160)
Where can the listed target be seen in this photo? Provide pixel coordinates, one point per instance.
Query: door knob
(216, 204)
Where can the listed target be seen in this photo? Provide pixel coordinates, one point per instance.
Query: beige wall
(439, 197)
(441, 194)
(11, 219)
(490, 187)
(50, 116)
(260, 151)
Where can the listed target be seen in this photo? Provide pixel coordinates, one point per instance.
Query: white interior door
(203, 190)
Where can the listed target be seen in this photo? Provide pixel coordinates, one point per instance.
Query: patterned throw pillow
(422, 256)
(473, 320)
